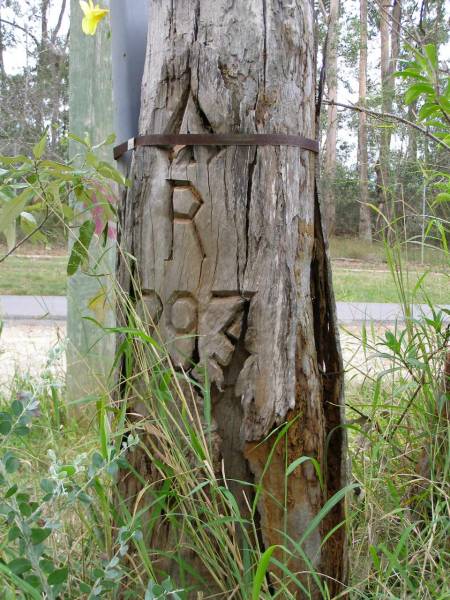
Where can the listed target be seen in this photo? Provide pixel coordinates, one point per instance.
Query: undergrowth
(68, 533)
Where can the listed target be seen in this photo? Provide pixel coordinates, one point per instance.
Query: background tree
(2, 62)
(365, 222)
(34, 39)
(329, 168)
(390, 26)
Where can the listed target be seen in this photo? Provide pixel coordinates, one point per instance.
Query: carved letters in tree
(201, 325)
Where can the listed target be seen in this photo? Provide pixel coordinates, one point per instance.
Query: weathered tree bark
(231, 255)
(390, 25)
(44, 21)
(365, 224)
(329, 170)
(2, 63)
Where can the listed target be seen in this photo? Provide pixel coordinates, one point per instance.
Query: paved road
(33, 307)
(54, 308)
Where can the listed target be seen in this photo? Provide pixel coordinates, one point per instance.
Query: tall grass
(106, 534)
(399, 446)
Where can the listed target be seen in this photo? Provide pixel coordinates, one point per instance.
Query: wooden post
(90, 100)
(230, 251)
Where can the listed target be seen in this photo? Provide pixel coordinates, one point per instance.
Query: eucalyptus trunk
(232, 260)
(365, 224)
(2, 62)
(329, 170)
(390, 26)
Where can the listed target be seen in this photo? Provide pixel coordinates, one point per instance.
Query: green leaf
(7, 193)
(392, 343)
(48, 486)
(17, 407)
(302, 459)
(11, 463)
(5, 423)
(326, 508)
(66, 470)
(12, 490)
(15, 160)
(14, 533)
(46, 565)
(11, 210)
(18, 566)
(77, 139)
(33, 580)
(444, 104)
(20, 583)
(91, 160)
(110, 139)
(106, 142)
(22, 497)
(441, 198)
(375, 558)
(428, 109)
(261, 571)
(22, 430)
(431, 54)
(80, 249)
(410, 72)
(28, 224)
(39, 534)
(97, 460)
(39, 148)
(25, 509)
(67, 212)
(111, 173)
(58, 576)
(10, 235)
(416, 90)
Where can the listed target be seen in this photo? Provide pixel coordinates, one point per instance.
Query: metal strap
(217, 139)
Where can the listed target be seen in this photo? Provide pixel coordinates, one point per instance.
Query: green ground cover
(378, 286)
(30, 276)
(357, 250)
(47, 276)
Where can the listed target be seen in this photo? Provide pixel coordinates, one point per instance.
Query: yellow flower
(92, 16)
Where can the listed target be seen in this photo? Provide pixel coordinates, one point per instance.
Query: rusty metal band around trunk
(217, 139)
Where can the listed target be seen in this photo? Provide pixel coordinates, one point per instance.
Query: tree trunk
(2, 63)
(231, 257)
(44, 22)
(411, 152)
(390, 20)
(365, 224)
(329, 171)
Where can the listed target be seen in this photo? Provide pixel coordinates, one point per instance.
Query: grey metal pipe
(129, 26)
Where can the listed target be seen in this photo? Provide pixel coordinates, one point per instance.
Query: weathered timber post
(91, 112)
(105, 78)
(230, 252)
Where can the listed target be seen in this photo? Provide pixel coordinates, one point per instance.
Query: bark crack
(201, 113)
(328, 357)
(264, 7)
(196, 20)
(251, 170)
